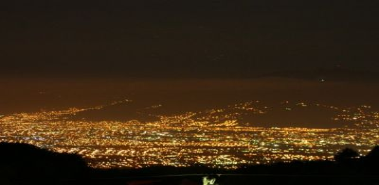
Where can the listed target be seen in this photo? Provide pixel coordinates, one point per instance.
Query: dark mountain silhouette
(28, 164)
(24, 164)
(322, 75)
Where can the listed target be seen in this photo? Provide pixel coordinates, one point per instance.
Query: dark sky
(186, 38)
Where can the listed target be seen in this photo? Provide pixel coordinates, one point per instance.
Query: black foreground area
(23, 164)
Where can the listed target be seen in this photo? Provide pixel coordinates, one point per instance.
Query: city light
(213, 138)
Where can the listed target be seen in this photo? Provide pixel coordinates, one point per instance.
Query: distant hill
(324, 75)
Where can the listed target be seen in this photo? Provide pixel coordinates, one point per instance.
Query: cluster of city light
(208, 138)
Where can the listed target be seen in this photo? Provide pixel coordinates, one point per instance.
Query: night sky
(186, 38)
(191, 83)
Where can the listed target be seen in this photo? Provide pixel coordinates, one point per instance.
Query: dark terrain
(24, 164)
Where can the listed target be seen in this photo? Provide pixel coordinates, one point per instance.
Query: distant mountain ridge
(322, 75)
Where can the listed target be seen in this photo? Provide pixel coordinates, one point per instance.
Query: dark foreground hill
(27, 164)
(23, 164)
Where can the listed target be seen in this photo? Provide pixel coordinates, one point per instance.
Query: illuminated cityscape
(189, 92)
(219, 138)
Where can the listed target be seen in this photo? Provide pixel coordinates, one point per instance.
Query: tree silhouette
(345, 155)
(372, 158)
(374, 153)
